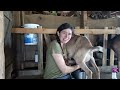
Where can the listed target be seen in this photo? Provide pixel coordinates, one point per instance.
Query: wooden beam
(2, 55)
(77, 31)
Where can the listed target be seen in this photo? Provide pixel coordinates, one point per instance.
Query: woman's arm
(61, 64)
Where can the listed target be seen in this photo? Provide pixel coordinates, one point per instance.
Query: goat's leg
(92, 60)
(117, 51)
(118, 63)
(86, 69)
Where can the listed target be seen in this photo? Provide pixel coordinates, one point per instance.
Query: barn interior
(18, 59)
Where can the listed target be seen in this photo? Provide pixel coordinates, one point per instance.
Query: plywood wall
(50, 21)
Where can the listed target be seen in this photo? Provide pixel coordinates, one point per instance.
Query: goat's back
(78, 43)
(114, 43)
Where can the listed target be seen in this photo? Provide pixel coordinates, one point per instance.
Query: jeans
(67, 76)
(73, 75)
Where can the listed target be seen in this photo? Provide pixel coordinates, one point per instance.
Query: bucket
(30, 39)
(82, 75)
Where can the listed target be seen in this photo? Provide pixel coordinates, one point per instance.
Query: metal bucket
(82, 75)
(30, 39)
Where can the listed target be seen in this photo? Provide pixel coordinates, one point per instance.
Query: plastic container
(114, 72)
(36, 56)
(30, 39)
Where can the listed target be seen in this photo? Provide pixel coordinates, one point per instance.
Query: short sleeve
(56, 47)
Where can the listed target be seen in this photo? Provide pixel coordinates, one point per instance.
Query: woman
(56, 67)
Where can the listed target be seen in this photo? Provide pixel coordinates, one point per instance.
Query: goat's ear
(73, 34)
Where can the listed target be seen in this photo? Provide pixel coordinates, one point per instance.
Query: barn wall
(101, 24)
(26, 53)
(50, 21)
(9, 57)
(47, 21)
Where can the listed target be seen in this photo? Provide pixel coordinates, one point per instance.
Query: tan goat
(81, 50)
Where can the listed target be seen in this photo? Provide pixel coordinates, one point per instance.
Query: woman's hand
(70, 62)
(62, 65)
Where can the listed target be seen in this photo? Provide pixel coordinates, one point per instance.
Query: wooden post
(83, 19)
(40, 50)
(111, 57)
(2, 56)
(104, 61)
(22, 17)
(17, 19)
(17, 47)
(22, 14)
(47, 39)
(112, 53)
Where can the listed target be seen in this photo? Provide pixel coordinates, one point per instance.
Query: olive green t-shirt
(51, 68)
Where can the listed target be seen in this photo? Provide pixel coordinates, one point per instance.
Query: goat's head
(100, 48)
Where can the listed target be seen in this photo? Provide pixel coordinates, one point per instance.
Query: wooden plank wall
(50, 21)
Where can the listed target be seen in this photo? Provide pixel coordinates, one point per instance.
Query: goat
(81, 50)
(114, 44)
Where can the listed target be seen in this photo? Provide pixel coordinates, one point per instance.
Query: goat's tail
(97, 48)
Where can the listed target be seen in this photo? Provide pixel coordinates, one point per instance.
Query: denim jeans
(73, 75)
(76, 74)
(67, 76)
